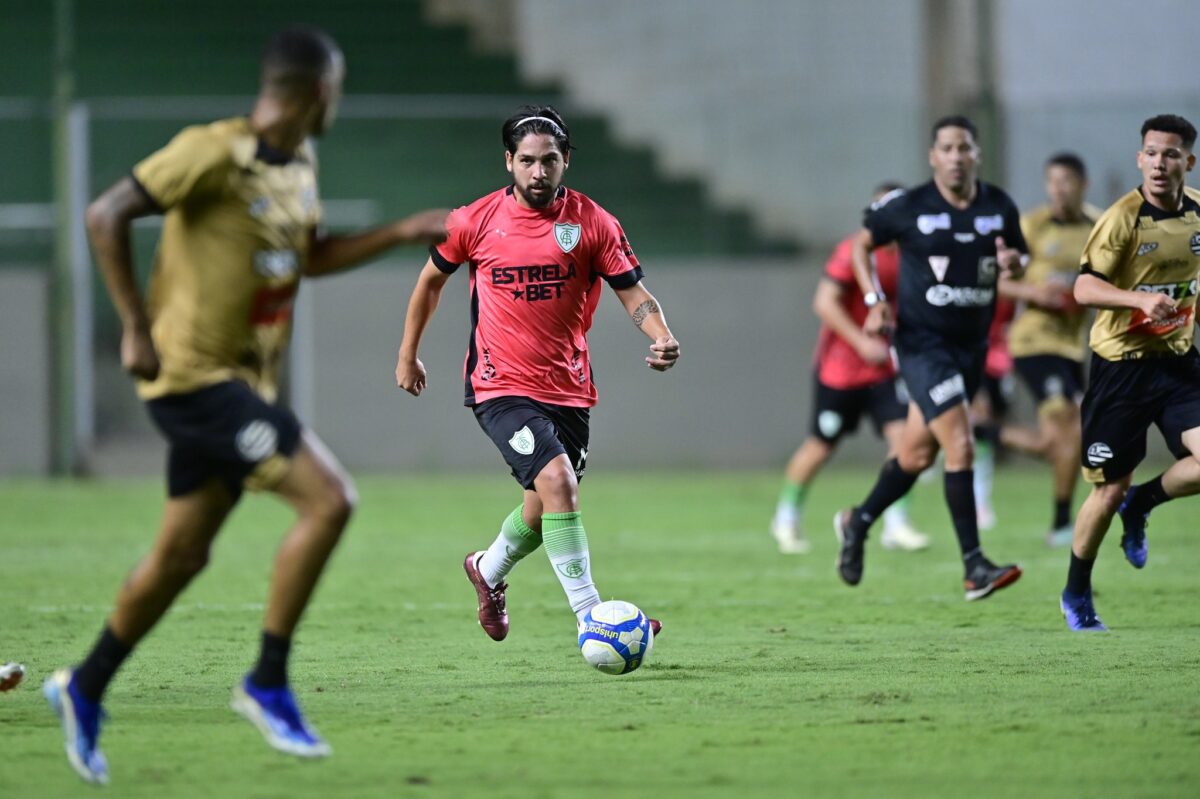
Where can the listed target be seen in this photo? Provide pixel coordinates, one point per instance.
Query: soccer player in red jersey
(854, 375)
(537, 253)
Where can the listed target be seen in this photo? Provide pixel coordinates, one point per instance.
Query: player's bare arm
(879, 315)
(1096, 292)
(410, 372)
(330, 254)
(643, 308)
(1048, 296)
(827, 304)
(108, 220)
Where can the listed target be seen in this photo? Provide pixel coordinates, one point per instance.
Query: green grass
(770, 679)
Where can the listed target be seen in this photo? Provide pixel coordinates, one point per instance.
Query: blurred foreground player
(854, 376)
(240, 229)
(1046, 338)
(1140, 269)
(539, 254)
(957, 236)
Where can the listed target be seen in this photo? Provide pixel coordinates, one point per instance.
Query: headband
(552, 123)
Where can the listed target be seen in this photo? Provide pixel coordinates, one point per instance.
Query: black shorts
(1051, 378)
(939, 378)
(836, 411)
(530, 434)
(1124, 398)
(225, 431)
(999, 394)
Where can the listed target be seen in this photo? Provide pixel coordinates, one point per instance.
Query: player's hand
(1050, 296)
(410, 375)
(664, 353)
(1159, 307)
(138, 356)
(424, 227)
(873, 350)
(1009, 259)
(879, 320)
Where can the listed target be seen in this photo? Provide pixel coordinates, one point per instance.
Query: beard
(539, 201)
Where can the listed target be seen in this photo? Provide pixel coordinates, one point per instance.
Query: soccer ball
(615, 637)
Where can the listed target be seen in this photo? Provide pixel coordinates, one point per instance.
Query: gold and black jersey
(234, 243)
(1054, 249)
(1138, 247)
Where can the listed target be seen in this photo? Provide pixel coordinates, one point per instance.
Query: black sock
(1148, 496)
(271, 670)
(94, 674)
(1079, 575)
(893, 483)
(1062, 513)
(960, 499)
(988, 432)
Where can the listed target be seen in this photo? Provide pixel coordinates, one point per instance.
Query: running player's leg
(917, 450)
(1060, 428)
(189, 524)
(898, 531)
(323, 496)
(563, 535)
(520, 534)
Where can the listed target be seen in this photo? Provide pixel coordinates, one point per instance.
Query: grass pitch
(771, 678)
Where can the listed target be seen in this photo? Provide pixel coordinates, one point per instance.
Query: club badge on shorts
(522, 441)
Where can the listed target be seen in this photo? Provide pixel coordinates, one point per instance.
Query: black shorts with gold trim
(225, 431)
(1051, 378)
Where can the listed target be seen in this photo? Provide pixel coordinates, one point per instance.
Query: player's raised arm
(328, 254)
(648, 316)
(410, 372)
(108, 220)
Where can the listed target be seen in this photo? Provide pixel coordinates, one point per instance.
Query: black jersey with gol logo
(948, 269)
(1139, 247)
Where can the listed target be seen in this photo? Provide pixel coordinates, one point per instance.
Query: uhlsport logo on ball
(615, 637)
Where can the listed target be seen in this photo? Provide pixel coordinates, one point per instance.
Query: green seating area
(130, 48)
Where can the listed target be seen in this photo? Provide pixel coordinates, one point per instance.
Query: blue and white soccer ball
(615, 637)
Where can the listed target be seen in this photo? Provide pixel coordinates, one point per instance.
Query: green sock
(791, 497)
(567, 547)
(516, 540)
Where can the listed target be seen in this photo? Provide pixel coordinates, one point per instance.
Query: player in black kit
(957, 235)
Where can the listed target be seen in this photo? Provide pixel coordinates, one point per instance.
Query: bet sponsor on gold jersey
(1138, 247)
(1055, 246)
(238, 217)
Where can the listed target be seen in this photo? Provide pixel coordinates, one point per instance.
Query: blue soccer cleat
(81, 725)
(1080, 613)
(1133, 540)
(277, 716)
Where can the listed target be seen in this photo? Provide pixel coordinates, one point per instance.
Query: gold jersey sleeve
(1054, 250)
(233, 247)
(1137, 247)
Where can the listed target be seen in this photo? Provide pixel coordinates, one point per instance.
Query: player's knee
(960, 453)
(915, 460)
(182, 563)
(558, 487)
(336, 503)
(1110, 496)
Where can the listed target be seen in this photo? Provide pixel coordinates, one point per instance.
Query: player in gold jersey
(1139, 268)
(1046, 337)
(241, 228)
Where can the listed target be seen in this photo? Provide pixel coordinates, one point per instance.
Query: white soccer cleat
(902, 536)
(985, 517)
(790, 537)
(1060, 536)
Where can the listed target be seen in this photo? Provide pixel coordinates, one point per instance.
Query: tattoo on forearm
(642, 311)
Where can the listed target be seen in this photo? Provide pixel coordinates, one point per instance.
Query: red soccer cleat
(493, 617)
(655, 625)
(11, 675)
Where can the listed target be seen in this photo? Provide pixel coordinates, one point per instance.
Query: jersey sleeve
(613, 258)
(455, 250)
(192, 164)
(1106, 246)
(840, 268)
(1014, 235)
(885, 218)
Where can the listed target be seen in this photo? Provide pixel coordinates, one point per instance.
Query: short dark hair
(1171, 123)
(535, 119)
(297, 55)
(953, 121)
(1069, 161)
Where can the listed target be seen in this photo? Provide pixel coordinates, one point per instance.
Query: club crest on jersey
(566, 235)
(987, 224)
(1194, 243)
(939, 264)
